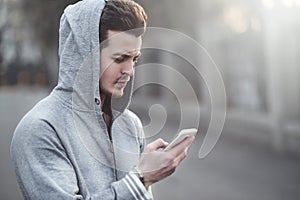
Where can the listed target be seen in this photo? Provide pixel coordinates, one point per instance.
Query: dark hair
(122, 15)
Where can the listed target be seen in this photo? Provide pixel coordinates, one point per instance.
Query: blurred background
(255, 45)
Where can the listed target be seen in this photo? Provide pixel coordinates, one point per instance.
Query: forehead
(123, 42)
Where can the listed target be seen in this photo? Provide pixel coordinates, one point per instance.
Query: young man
(81, 142)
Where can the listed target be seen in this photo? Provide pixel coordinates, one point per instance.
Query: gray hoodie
(61, 148)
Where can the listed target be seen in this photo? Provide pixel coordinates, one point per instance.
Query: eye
(119, 60)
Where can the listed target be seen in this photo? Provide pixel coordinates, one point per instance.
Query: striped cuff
(137, 188)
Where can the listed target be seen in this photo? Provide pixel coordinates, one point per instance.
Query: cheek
(103, 67)
(109, 74)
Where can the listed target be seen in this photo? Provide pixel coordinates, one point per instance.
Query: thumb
(157, 144)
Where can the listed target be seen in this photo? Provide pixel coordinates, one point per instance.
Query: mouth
(122, 84)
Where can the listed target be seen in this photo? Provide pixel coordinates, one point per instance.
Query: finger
(181, 157)
(176, 162)
(179, 148)
(159, 143)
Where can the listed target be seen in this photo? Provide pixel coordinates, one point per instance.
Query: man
(81, 142)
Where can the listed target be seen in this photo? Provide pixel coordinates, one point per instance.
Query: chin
(117, 94)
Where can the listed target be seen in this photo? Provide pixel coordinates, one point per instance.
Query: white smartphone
(181, 136)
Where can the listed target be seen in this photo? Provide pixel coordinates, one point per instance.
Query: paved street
(235, 170)
(14, 102)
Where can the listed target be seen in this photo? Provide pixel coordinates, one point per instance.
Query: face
(117, 62)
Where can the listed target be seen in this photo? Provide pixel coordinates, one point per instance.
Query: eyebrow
(126, 55)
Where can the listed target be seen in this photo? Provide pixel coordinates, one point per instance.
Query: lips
(122, 84)
(123, 79)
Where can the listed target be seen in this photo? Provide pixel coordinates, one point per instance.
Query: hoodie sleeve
(47, 173)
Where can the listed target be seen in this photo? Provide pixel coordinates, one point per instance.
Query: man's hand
(157, 165)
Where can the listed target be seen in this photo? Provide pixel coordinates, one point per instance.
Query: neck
(103, 98)
(105, 103)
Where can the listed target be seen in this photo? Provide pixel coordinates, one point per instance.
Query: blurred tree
(43, 18)
(29, 41)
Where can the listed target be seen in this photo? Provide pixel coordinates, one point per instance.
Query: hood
(79, 56)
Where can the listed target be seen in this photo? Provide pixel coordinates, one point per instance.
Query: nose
(128, 68)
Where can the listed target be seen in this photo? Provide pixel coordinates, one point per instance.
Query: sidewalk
(235, 170)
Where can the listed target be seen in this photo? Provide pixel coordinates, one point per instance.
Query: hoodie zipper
(111, 144)
(114, 157)
(108, 133)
